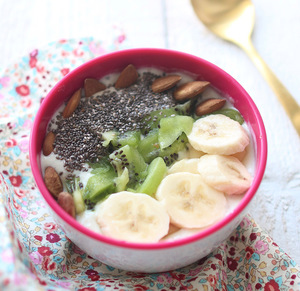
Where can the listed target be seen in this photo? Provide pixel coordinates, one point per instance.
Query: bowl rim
(260, 166)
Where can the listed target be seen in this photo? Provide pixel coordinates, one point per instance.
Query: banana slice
(181, 233)
(241, 155)
(218, 134)
(225, 173)
(192, 153)
(134, 217)
(190, 202)
(185, 165)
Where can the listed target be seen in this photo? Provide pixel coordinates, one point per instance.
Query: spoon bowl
(233, 20)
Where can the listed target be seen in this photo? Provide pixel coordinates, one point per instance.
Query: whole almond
(190, 90)
(92, 86)
(127, 77)
(164, 83)
(72, 104)
(66, 201)
(48, 144)
(53, 182)
(209, 106)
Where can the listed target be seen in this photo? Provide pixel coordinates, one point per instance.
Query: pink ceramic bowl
(163, 256)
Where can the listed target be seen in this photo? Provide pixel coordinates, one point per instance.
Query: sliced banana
(218, 134)
(181, 233)
(133, 217)
(172, 229)
(224, 173)
(192, 153)
(241, 155)
(185, 165)
(190, 202)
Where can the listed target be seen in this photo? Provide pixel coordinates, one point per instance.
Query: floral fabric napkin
(35, 252)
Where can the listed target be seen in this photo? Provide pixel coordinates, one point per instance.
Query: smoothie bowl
(148, 158)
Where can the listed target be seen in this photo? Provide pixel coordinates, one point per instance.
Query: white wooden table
(28, 24)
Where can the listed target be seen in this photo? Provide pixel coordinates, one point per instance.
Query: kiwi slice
(78, 201)
(151, 121)
(170, 153)
(122, 180)
(100, 184)
(102, 166)
(184, 108)
(149, 146)
(231, 113)
(170, 128)
(118, 140)
(75, 187)
(129, 157)
(108, 137)
(131, 138)
(155, 173)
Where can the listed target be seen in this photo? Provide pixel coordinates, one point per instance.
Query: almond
(53, 182)
(66, 201)
(165, 83)
(190, 90)
(48, 144)
(127, 77)
(72, 104)
(209, 106)
(92, 86)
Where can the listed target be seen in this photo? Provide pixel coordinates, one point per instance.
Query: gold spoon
(233, 20)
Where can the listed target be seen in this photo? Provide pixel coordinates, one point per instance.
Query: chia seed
(79, 137)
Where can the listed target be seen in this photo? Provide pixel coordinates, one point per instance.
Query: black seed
(79, 137)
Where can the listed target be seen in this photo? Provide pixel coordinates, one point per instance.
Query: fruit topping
(129, 157)
(155, 173)
(189, 201)
(224, 173)
(218, 134)
(101, 183)
(170, 128)
(134, 217)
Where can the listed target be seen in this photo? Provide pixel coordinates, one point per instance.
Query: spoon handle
(290, 105)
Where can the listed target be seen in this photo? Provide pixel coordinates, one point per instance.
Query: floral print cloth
(35, 253)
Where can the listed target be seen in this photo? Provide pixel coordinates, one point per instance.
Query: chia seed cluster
(79, 138)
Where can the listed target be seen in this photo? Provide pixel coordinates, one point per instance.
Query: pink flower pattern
(261, 247)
